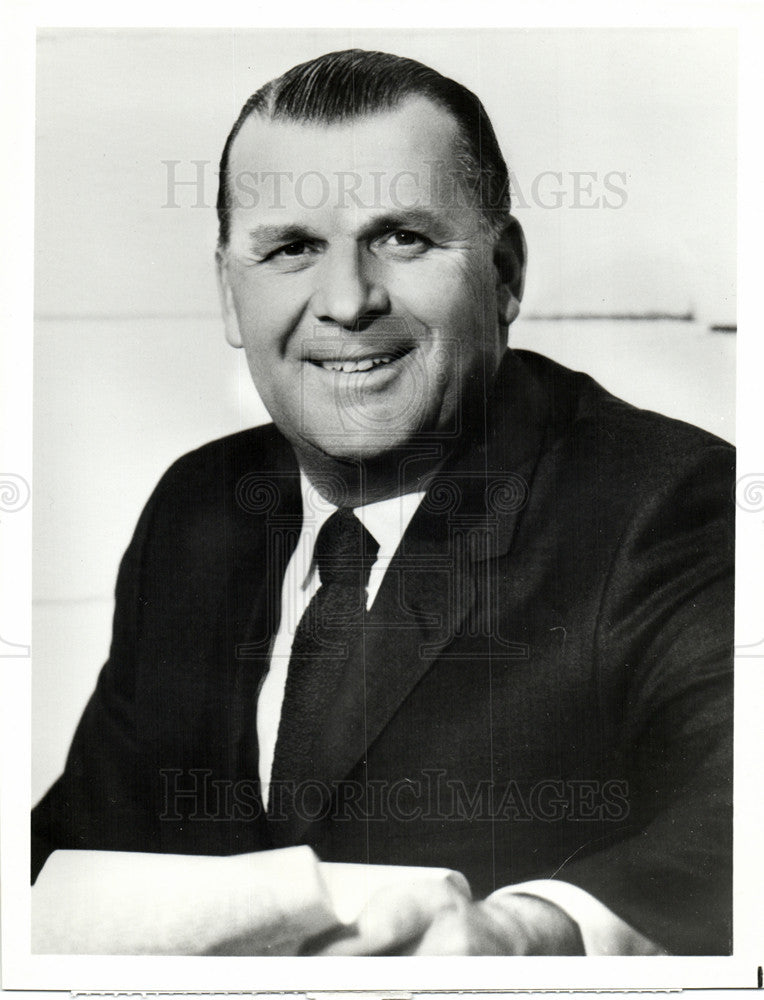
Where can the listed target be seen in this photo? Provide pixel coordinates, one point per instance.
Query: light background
(131, 368)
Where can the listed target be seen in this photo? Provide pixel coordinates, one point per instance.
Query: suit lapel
(467, 517)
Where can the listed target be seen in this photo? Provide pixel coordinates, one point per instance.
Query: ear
(509, 258)
(230, 319)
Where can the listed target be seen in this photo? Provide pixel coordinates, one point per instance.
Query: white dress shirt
(602, 932)
(386, 521)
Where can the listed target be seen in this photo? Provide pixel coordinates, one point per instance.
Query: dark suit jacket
(543, 689)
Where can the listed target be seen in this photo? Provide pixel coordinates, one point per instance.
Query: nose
(350, 291)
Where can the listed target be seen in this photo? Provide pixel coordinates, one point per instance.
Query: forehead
(394, 153)
(417, 129)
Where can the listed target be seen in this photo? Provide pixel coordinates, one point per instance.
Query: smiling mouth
(366, 364)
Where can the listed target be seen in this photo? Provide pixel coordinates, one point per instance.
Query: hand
(421, 921)
(515, 925)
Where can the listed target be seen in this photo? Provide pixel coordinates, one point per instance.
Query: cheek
(267, 312)
(441, 295)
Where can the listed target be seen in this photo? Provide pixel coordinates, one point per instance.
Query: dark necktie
(344, 552)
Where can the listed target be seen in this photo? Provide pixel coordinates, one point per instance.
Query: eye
(404, 243)
(296, 249)
(292, 256)
(406, 238)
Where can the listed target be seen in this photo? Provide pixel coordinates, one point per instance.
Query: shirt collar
(385, 520)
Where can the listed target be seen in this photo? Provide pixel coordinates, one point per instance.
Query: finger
(390, 919)
(394, 919)
(446, 935)
(466, 930)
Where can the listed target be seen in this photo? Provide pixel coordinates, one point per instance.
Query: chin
(363, 448)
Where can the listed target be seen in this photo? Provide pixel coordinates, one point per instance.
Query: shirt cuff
(602, 932)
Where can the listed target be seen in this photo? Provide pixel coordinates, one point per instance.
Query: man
(457, 606)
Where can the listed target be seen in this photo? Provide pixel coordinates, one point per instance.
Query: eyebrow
(265, 237)
(410, 218)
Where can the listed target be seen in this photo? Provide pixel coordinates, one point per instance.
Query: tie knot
(345, 551)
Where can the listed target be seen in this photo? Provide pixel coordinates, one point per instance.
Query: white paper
(103, 902)
(265, 903)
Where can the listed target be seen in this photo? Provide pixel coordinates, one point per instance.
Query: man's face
(367, 303)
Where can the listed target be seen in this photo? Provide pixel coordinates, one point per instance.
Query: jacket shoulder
(605, 464)
(264, 444)
(220, 490)
(586, 418)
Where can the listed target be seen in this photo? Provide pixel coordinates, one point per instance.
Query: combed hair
(341, 86)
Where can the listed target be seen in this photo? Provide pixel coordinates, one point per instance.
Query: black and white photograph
(383, 512)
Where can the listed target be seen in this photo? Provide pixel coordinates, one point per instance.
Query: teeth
(363, 365)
